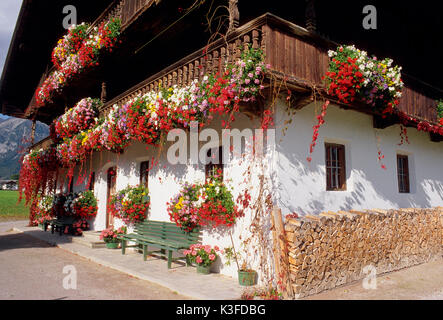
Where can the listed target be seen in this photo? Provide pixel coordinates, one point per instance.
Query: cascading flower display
(183, 208)
(69, 44)
(130, 204)
(207, 204)
(352, 74)
(147, 117)
(440, 112)
(218, 206)
(72, 57)
(81, 117)
(85, 205)
(37, 175)
(44, 210)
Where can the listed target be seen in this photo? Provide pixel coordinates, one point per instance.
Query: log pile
(331, 249)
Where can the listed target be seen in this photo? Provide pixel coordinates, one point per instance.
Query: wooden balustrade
(212, 59)
(291, 50)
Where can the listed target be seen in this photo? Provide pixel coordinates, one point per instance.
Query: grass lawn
(9, 209)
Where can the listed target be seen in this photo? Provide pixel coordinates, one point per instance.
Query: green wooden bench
(60, 224)
(165, 236)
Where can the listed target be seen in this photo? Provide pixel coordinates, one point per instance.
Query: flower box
(247, 277)
(203, 269)
(112, 245)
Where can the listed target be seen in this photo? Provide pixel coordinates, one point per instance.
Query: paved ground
(32, 269)
(38, 274)
(422, 282)
(181, 279)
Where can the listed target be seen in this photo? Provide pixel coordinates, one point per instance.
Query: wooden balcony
(126, 10)
(296, 56)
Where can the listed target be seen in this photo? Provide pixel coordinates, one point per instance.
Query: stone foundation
(333, 248)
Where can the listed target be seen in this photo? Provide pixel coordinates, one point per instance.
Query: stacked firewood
(333, 248)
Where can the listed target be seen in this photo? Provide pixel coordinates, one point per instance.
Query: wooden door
(111, 182)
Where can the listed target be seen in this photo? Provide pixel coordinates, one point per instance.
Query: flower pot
(203, 269)
(112, 245)
(247, 278)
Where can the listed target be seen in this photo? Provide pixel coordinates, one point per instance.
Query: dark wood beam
(379, 122)
(435, 137)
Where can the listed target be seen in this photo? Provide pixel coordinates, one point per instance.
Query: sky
(9, 10)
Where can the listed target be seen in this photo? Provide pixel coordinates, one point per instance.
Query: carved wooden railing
(127, 10)
(292, 51)
(211, 59)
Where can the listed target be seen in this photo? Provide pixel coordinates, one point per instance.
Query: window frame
(144, 173)
(341, 178)
(210, 167)
(403, 176)
(91, 182)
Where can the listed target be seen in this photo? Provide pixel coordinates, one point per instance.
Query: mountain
(14, 139)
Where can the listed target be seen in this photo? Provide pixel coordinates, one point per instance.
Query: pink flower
(212, 257)
(198, 260)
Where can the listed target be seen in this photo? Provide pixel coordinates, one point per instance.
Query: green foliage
(10, 209)
(440, 109)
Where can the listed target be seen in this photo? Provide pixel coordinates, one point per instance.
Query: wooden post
(311, 23)
(103, 93)
(234, 15)
(33, 132)
(280, 252)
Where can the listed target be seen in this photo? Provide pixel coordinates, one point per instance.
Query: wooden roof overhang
(298, 59)
(38, 27)
(142, 22)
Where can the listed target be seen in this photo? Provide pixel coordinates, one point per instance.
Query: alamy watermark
(246, 142)
(70, 281)
(71, 16)
(370, 20)
(370, 281)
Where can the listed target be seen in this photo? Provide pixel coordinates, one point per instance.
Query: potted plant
(246, 275)
(203, 256)
(85, 205)
(43, 211)
(131, 204)
(109, 236)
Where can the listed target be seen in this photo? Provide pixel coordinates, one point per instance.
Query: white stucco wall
(296, 185)
(165, 182)
(301, 186)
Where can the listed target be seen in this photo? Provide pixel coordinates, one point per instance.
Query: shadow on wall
(302, 186)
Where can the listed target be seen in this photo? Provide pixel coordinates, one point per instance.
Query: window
(335, 167)
(403, 173)
(91, 181)
(144, 173)
(213, 168)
